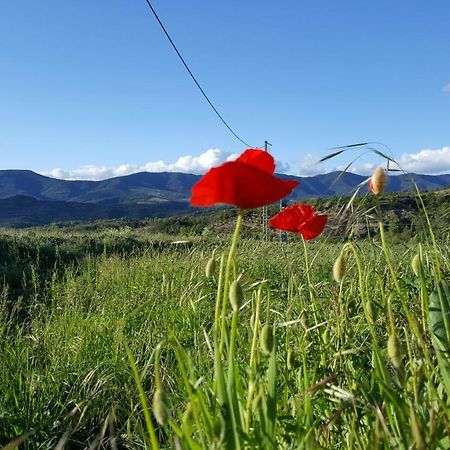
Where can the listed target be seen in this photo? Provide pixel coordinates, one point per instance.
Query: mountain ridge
(151, 187)
(30, 199)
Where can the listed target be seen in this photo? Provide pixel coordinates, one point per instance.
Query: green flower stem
(308, 278)
(438, 262)
(218, 302)
(226, 286)
(219, 382)
(158, 352)
(252, 364)
(341, 324)
(231, 385)
(234, 323)
(362, 290)
(411, 320)
(423, 292)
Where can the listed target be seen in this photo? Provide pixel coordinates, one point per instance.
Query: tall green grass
(305, 362)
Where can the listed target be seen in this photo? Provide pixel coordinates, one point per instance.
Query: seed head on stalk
(292, 360)
(378, 181)
(161, 407)
(236, 295)
(266, 339)
(394, 351)
(210, 266)
(339, 267)
(416, 264)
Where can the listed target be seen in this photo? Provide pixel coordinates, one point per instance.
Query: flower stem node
(236, 295)
(266, 339)
(161, 407)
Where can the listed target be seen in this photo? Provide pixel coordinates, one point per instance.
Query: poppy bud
(188, 416)
(266, 339)
(210, 267)
(378, 181)
(416, 265)
(219, 430)
(394, 351)
(339, 267)
(370, 311)
(236, 295)
(292, 360)
(161, 407)
(416, 430)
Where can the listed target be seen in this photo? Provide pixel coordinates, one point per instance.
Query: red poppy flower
(248, 182)
(299, 219)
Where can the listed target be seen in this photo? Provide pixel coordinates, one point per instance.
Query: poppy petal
(258, 158)
(287, 220)
(290, 218)
(304, 212)
(313, 227)
(239, 184)
(299, 219)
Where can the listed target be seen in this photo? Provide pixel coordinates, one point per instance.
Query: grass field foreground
(257, 345)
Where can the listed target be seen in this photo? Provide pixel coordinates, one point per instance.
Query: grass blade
(142, 398)
(439, 323)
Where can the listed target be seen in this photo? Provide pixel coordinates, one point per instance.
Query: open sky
(92, 89)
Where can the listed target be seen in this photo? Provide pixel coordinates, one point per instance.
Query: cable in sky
(192, 75)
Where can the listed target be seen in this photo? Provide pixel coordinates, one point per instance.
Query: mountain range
(30, 199)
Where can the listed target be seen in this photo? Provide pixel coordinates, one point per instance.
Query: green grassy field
(118, 339)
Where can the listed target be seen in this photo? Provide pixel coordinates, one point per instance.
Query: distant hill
(146, 187)
(22, 211)
(141, 187)
(28, 199)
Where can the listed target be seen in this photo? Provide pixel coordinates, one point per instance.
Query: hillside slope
(22, 211)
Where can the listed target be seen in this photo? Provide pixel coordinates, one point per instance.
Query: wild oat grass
(143, 350)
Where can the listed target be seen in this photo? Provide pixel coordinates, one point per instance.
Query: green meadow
(134, 338)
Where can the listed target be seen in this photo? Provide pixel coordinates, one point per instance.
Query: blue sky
(94, 89)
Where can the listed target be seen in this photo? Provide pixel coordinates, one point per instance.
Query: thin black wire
(192, 75)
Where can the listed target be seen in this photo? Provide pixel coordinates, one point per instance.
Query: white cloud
(310, 166)
(187, 164)
(425, 161)
(432, 162)
(362, 169)
(282, 167)
(446, 88)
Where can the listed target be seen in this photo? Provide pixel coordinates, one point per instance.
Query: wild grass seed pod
(161, 407)
(378, 181)
(236, 295)
(266, 339)
(339, 268)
